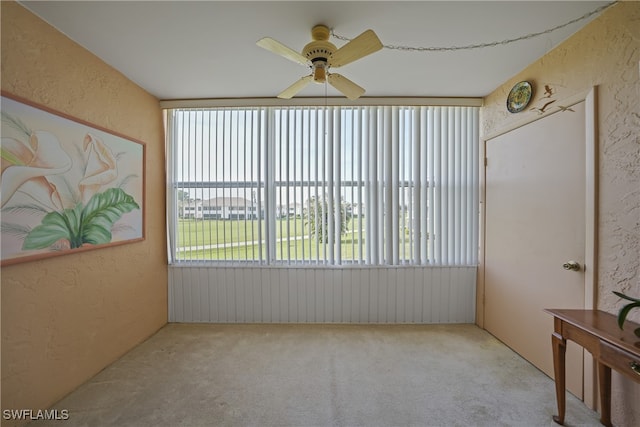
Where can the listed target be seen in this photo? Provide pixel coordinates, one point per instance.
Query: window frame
(267, 252)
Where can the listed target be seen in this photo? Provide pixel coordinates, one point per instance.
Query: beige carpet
(319, 375)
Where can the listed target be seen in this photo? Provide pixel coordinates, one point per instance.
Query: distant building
(221, 208)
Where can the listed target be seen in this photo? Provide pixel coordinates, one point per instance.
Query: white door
(535, 223)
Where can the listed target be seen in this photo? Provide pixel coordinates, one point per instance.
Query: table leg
(604, 379)
(559, 351)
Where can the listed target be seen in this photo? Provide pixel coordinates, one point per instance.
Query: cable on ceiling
(484, 45)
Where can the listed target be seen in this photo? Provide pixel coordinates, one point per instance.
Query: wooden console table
(611, 347)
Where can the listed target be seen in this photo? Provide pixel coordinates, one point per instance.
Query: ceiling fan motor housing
(318, 52)
(318, 49)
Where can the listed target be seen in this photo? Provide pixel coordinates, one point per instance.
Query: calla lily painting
(66, 185)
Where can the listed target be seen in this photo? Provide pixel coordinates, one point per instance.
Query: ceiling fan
(320, 55)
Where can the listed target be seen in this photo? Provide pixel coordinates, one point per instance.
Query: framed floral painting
(66, 185)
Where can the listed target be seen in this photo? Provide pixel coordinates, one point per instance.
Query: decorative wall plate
(519, 97)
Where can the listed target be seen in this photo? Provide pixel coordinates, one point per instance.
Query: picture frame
(67, 186)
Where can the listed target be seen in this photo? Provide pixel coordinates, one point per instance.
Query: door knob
(571, 266)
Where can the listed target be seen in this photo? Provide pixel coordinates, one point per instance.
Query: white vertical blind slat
(448, 190)
(354, 175)
(330, 132)
(371, 210)
(269, 190)
(394, 172)
(416, 213)
(209, 171)
(381, 179)
(259, 194)
(337, 188)
(362, 176)
(171, 196)
(454, 201)
(386, 212)
(438, 185)
(317, 177)
(471, 185)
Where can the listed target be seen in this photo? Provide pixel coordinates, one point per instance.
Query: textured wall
(65, 318)
(606, 53)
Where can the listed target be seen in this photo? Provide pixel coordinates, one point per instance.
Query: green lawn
(213, 232)
(206, 239)
(193, 232)
(295, 250)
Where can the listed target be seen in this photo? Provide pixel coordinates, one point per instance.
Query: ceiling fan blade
(278, 48)
(363, 45)
(289, 92)
(346, 86)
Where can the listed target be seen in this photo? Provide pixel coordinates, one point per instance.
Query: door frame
(591, 221)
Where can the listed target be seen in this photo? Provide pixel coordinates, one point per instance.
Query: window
(324, 185)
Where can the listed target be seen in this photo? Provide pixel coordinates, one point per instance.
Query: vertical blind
(324, 185)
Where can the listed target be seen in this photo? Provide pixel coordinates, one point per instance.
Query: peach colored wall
(66, 318)
(605, 53)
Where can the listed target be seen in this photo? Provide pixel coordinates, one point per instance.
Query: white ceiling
(206, 49)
